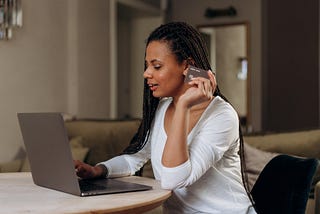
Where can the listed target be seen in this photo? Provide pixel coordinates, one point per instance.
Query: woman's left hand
(202, 90)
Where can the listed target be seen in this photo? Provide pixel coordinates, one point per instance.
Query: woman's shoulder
(220, 107)
(220, 115)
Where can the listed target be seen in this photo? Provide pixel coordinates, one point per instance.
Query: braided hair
(185, 43)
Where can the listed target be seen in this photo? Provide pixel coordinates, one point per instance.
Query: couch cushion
(302, 143)
(105, 138)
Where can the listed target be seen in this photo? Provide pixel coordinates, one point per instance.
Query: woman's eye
(157, 67)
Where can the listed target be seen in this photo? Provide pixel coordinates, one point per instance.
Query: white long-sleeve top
(210, 181)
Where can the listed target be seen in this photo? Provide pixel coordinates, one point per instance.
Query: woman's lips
(153, 87)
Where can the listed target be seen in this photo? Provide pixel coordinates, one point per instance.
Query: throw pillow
(256, 160)
(25, 165)
(79, 152)
(11, 166)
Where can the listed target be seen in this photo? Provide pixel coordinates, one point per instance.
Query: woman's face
(163, 72)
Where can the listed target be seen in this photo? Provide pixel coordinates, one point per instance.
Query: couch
(94, 141)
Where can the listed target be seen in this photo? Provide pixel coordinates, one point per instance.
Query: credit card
(195, 72)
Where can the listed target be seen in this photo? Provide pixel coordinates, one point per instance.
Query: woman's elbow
(171, 185)
(168, 186)
(177, 177)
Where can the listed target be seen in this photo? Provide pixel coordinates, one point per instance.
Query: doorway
(228, 49)
(132, 25)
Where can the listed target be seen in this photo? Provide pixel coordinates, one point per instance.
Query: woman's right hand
(86, 171)
(201, 90)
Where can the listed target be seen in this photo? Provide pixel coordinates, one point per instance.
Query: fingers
(77, 166)
(83, 170)
(213, 80)
(76, 163)
(206, 86)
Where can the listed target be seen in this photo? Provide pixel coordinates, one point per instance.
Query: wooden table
(18, 194)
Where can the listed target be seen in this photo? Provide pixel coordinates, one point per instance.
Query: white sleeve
(125, 165)
(207, 147)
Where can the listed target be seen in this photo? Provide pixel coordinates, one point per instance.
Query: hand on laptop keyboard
(84, 170)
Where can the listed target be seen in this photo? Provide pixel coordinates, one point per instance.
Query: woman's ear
(185, 70)
(187, 62)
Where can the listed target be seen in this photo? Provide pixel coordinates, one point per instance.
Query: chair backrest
(284, 185)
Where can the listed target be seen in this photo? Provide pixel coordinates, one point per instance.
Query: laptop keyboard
(89, 186)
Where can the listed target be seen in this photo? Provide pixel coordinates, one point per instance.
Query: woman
(189, 131)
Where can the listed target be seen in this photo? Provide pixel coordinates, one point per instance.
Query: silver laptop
(47, 145)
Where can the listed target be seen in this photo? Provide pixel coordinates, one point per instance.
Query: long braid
(185, 42)
(244, 175)
(150, 105)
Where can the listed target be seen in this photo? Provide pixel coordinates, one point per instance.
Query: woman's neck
(198, 107)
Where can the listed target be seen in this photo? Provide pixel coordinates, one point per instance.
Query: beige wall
(55, 62)
(142, 28)
(230, 46)
(93, 58)
(130, 63)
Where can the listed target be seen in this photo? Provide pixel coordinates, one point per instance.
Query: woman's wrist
(182, 104)
(102, 171)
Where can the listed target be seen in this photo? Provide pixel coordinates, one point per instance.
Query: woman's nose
(147, 73)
